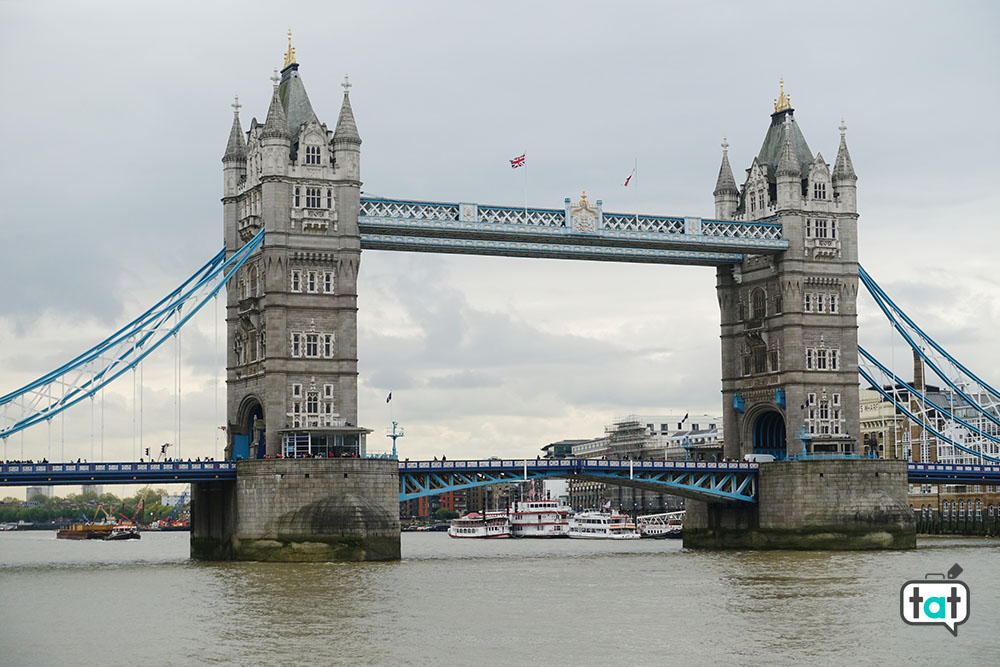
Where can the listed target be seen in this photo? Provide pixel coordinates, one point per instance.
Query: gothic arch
(764, 429)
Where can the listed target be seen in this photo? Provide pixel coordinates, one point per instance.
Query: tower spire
(290, 53)
(347, 130)
(784, 102)
(236, 148)
(276, 124)
(843, 168)
(726, 193)
(788, 163)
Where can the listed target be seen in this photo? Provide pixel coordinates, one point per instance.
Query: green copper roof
(294, 99)
(770, 152)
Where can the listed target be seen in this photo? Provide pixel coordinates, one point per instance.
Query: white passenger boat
(607, 525)
(539, 518)
(666, 525)
(474, 524)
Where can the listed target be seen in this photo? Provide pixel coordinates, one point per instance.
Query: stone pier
(833, 505)
(299, 510)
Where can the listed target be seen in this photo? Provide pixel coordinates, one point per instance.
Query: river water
(478, 602)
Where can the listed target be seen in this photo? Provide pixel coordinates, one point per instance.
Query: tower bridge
(784, 245)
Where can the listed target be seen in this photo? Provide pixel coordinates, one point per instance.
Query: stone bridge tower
(292, 309)
(789, 321)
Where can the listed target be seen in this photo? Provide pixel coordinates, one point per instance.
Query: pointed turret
(276, 125)
(236, 148)
(347, 130)
(789, 173)
(234, 160)
(726, 193)
(845, 187)
(274, 138)
(346, 140)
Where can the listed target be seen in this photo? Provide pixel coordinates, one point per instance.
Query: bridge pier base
(826, 505)
(299, 510)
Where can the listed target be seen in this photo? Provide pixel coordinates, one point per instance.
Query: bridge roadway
(701, 480)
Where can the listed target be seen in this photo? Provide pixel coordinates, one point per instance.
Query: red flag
(517, 162)
(629, 178)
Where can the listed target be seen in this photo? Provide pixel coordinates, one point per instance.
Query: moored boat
(659, 526)
(539, 518)
(124, 531)
(86, 531)
(474, 524)
(606, 525)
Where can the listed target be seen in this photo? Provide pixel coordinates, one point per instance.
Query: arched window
(312, 154)
(758, 304)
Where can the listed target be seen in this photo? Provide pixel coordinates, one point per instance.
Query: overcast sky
(116, 116)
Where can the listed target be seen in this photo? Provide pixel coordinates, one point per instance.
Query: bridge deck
(465, 228)
(701, 479)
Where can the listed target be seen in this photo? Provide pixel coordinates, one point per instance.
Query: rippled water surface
(476, 602)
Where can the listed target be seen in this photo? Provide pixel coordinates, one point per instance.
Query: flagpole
(635, 172)
(525, 156)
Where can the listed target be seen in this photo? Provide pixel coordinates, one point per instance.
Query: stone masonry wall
(299, 510)
(835, 505)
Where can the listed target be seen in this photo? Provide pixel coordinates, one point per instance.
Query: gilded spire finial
(725, 146)
(784, 101)
(290, 54)
(843, 127)
(583, 200)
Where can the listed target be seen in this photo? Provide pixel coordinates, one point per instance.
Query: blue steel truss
(13, 474)
(83, 376)
(465, 228)
(699, 480)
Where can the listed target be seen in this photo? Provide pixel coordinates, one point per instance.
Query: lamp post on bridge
(396, 432)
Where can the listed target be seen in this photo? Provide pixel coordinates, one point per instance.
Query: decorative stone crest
(584, 218)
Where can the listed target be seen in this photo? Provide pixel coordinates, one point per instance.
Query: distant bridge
(699, 480)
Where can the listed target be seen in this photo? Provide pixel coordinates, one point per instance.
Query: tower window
(328, 282)
(329, 197)
(819, 190)
(296, 345)
(311, 281)
(821, 229)
(758, 305)
(328, 345)
(313, 197)
(312, 154)
(312, 345)
(809, 228)
(296, 282)
(298, 191)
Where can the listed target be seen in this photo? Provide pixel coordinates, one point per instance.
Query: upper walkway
(577, 231)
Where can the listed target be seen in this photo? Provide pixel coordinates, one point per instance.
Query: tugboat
(124, 531)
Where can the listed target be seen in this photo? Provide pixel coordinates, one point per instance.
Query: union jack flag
(517, 162)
